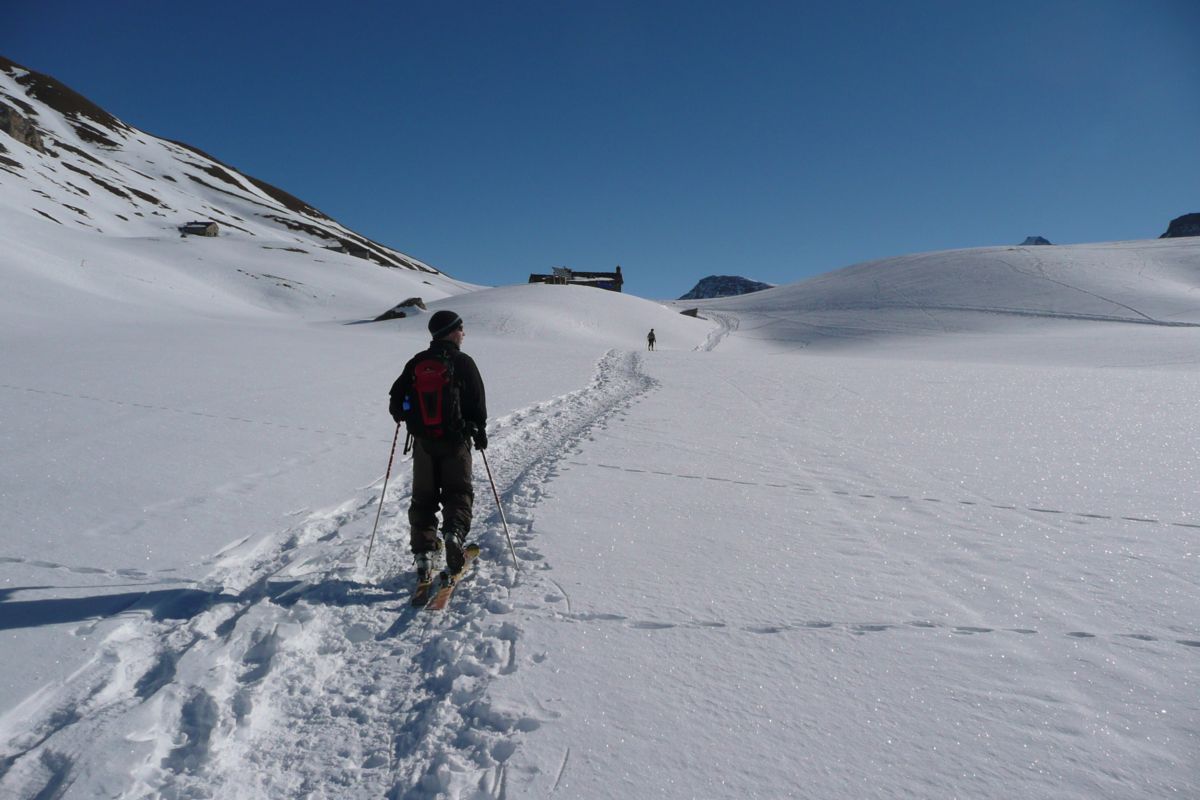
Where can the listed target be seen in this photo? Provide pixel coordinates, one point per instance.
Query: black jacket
(466, 375)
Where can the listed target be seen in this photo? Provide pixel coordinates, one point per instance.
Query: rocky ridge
(1187, 225)
(67, 160)
(723, 286)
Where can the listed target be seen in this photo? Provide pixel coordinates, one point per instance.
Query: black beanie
(443, 322)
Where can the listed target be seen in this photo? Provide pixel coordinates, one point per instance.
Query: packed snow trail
(291, 673)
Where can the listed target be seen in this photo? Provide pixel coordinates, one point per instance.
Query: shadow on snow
(181, 604)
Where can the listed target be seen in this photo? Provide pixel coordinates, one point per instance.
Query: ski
(446, 587)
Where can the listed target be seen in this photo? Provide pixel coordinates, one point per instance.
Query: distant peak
(1187, 225)
(1032, 240)
(724, 286)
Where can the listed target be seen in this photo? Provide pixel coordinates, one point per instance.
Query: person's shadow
(179, 603)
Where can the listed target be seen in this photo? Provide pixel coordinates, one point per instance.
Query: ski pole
(387, 475)
(499, 507)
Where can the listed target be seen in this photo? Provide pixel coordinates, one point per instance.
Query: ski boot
(426, 563)
(455, 559)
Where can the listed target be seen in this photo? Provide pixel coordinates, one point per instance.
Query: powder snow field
(921, 528)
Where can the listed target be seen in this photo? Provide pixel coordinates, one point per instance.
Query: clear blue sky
(774, 140)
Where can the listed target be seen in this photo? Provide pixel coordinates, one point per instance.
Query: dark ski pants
(441, 478)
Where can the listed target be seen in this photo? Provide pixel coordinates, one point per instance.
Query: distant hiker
(650, 339)
(440, 398)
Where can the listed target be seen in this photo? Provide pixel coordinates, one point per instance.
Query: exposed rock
(19, 128)
(60, 97)
(291, 202)
(1187, 225)
(1032, 240)
(402, 310)
(723, 286)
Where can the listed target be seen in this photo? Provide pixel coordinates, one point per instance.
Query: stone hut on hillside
(563, 276)
(200, 228)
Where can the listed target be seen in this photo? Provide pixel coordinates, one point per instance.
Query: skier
(650, 339)
(440, 398)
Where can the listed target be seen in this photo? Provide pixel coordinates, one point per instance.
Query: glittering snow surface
(925, 527)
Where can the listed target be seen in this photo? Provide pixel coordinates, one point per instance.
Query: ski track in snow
(910, 501)
(726, 324)
(293, 671)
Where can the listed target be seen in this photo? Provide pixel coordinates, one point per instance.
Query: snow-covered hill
(1028, 303)
(85, 169)
(1149, 282)
(91, 211)
(924, 527)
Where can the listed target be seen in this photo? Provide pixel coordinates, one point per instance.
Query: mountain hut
(563, 276)
(200, 228)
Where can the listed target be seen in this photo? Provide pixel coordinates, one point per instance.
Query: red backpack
(432, 408)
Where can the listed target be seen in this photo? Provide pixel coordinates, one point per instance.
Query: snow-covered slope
(919, 528)
(1020, 296)
(87, 170)
(750, 565)
(91, 208)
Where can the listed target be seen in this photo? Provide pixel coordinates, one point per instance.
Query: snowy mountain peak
(67, 160)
